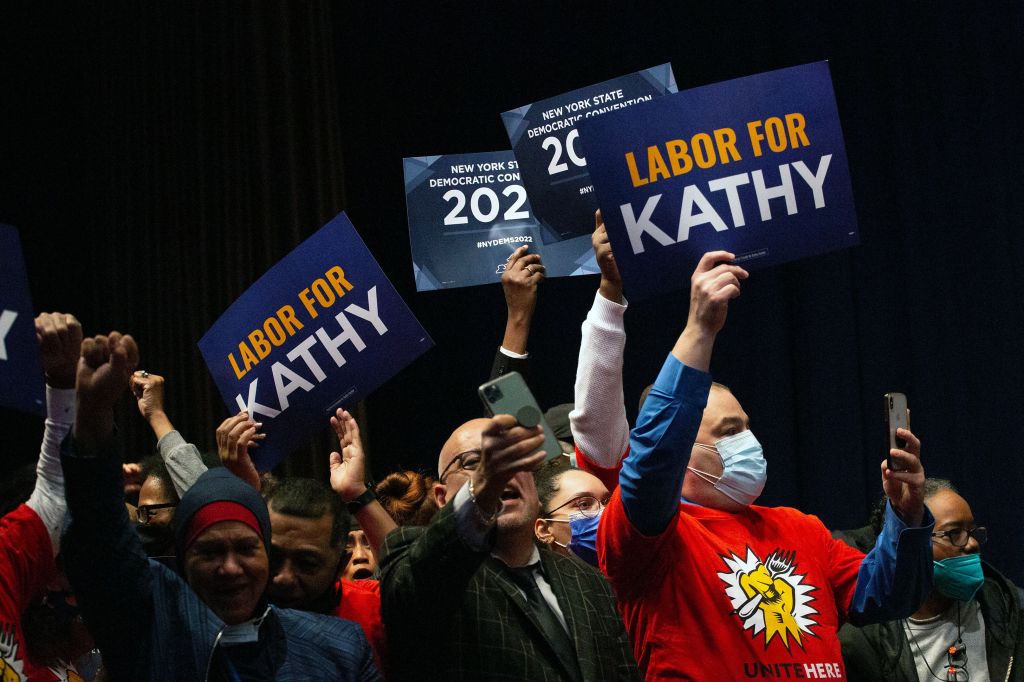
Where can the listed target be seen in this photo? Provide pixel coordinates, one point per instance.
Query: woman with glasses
(571, 502)
(969, 626)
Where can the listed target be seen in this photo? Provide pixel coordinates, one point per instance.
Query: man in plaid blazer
(472, 597)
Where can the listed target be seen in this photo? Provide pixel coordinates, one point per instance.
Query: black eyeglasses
(587, 505)
(467, 461)
(145, 513)
(959, 537)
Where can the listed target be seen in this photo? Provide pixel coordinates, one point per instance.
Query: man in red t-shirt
(713, 587)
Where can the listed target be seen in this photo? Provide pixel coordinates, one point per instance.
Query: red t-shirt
(721, 596)
(26, 567)
(360, 601)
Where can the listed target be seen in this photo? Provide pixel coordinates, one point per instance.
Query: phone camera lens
(493, 393)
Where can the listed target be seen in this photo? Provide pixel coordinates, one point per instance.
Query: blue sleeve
(659, 446)
(103, 557)
(896, 576)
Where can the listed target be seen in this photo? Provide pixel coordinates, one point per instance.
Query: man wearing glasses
(157, 502)
(969, 626)
(471, 596)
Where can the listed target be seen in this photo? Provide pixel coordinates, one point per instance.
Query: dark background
(158, 157)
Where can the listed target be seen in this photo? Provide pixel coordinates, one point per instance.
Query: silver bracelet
(472, 497)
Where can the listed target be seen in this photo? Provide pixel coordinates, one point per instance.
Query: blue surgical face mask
(959, 577)
(744, 469)
(584, 536)
(583, 542)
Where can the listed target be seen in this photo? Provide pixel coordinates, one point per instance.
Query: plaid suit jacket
(452, 613)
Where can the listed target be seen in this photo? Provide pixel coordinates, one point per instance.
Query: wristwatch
(368, 496)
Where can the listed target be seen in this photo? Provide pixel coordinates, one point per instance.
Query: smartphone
(509, 394)
(897, 416)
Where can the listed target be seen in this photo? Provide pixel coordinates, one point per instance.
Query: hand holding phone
(897, 416)
(509, 394)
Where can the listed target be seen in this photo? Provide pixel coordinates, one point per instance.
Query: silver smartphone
(509, 394)
(897, 416)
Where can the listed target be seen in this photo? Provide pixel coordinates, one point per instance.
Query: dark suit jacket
(452, 614)
(503, 364)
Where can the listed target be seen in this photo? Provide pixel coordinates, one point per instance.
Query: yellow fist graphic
(767, 590)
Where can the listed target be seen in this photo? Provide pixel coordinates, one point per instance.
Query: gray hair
(934, 486)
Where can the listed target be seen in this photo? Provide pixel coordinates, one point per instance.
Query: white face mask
(744, 469)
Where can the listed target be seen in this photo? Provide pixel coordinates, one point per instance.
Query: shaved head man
(497, 606)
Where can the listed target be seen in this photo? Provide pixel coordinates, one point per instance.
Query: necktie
(552, 628)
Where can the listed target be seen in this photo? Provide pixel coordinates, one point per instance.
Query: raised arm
(652, 475)
(60, 341)
(182, 459)
(523, 273)
(599, 426)
(896, 575)
(103, 555)
(348, 480)
(235, 436)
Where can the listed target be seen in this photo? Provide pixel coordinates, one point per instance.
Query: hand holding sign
(235, 436)
(104, 368)
(713, 284)
(523, 273)
(611, 282)
(60, 344)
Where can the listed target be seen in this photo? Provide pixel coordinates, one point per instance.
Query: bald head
(464, 439)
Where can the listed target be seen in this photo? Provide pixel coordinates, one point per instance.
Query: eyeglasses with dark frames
(467, 461)
(145, 513)
(586, 505)
(959, 537)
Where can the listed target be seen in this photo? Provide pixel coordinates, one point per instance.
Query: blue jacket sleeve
(104, 559)
(652, 476)
(896, 576)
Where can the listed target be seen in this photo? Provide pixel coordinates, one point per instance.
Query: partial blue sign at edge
(21, 375)
(321, 329)
(664, 210)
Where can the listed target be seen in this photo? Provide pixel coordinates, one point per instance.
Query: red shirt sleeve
(608, 476)
(360, 602)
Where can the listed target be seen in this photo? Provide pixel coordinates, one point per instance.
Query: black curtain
(159, 158)
(198, 147)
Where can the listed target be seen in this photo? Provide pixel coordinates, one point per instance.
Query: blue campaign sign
(320, 330)
(21, 371)
(468, 213)
(755, 166)
(545, 140)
